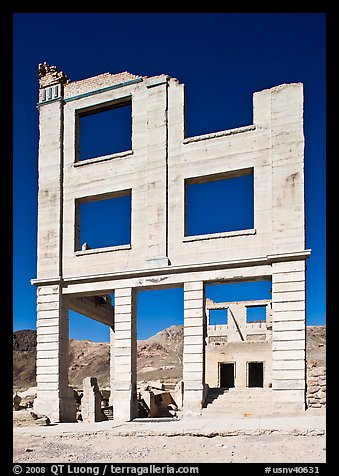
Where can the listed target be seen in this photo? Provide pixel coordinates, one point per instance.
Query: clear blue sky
(222, 59)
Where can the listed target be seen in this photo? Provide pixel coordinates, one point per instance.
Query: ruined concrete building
(155, 173)
(239, 353)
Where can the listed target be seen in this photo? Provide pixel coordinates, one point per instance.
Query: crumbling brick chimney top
(49, 75)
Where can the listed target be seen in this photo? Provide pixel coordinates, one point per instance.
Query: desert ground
(108, 448)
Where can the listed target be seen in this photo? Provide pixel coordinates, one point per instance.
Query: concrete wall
(238, 328)
(240, 353)
(155, 170)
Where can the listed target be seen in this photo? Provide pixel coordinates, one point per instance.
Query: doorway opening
(226, 372)
(255, 374)
(160, 340)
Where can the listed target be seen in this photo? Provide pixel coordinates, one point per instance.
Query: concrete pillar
(288, 336)
(193, 359)
(125, 388)
(111, 364)
(55, 398)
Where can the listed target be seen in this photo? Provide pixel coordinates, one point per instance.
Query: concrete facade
(155, 173)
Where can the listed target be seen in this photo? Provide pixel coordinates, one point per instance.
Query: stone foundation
(316, 387)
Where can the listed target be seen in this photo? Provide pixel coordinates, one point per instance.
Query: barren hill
(316, 345)
(159, 357)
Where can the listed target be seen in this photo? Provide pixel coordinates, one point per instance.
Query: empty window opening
(255, 374)
(103, 222)
(218, 317)
(160, 337)
(239, 291)
(221, 203)
(219, 112)
(81, 327)
(105, 131)
(255, 313)
(227, 374)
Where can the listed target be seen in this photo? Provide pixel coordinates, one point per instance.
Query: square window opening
(103, 221)
(256, 313)
(218, 317)
(219, 203)
(104, 131)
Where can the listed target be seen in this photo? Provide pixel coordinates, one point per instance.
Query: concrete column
(111, 364)
(125, 391)
(288, 336)
(55, 398)
(193, 360)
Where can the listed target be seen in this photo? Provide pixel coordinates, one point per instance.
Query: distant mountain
(24, 340)
(316, 345)
(159, 357)
(24, 357)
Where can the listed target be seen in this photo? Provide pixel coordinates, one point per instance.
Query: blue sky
(222, 59)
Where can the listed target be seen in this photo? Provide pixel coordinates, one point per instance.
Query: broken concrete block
(156, 384)
(29, 393)
(313, 389)
(16, 402)
(91, 401)
(42, 420)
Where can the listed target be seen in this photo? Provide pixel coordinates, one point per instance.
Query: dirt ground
(103, 447)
